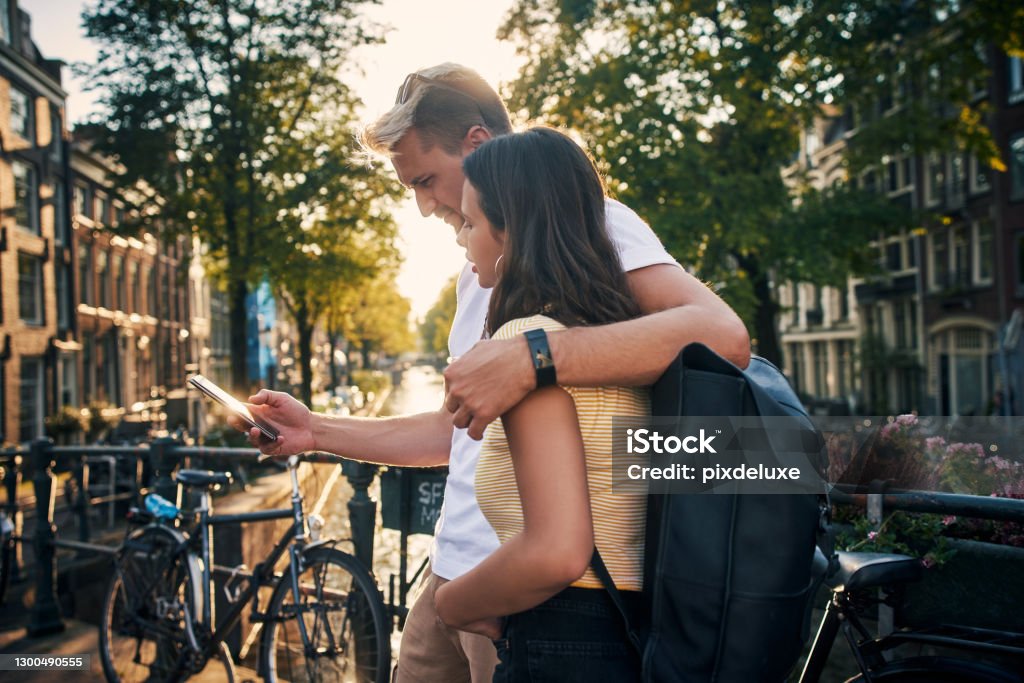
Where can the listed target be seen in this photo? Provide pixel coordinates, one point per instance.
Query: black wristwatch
(540, 354)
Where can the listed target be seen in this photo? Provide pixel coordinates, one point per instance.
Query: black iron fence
(129, 473)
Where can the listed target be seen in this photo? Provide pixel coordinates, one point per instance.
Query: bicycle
(865, 580)
(324, 621)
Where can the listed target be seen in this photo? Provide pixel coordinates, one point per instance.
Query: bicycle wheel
(149, 610)
(940, 670)
(345, 623)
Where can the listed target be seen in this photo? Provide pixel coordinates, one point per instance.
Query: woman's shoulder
(513, 328)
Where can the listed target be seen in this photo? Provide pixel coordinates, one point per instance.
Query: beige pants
(432, 653)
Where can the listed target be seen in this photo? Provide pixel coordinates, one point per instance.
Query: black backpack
(727, 577)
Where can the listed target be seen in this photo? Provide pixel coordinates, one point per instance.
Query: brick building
(37, 328)
(133, 294)
(934, 331)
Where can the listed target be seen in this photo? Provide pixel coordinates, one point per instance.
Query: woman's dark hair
(544, 193)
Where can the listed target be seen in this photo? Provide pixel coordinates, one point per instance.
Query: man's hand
(486, 382)
(293, 421)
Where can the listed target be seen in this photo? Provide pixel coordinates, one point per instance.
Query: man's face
(435, 176)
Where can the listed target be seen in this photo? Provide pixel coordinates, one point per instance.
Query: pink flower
(889, 429)
(948, 519)
(934, 443)
(908, 420)
(928, 561)
(872, 535)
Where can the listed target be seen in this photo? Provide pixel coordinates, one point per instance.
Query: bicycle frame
(294, 539)
(841, 613)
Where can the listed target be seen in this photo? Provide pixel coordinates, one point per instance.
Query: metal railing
(153, 466)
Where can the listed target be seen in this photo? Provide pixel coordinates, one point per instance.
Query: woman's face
(484, 244)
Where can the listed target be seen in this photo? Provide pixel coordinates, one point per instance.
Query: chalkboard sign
(411, 498)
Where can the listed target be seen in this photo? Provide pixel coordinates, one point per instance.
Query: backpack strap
(597, 564)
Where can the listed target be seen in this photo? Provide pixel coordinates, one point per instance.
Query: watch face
(543, 363)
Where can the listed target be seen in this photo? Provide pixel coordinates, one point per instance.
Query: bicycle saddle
(202, 478)
(866, 570)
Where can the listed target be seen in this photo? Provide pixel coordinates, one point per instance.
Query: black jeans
(577, 635)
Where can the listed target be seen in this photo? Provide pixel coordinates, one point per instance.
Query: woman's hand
(447, 614)
(293, 421)
(491, 628)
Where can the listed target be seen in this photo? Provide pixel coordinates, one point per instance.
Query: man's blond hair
(442, 103)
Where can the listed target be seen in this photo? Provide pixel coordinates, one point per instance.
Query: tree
(437, 323)
(377, 318)
(203, 98)
(338, 235)
(692, 109)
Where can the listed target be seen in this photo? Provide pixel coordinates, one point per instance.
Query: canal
(420, 390)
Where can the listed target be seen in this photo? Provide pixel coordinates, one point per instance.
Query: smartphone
(233, 404)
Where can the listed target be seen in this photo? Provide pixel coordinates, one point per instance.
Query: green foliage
(437, 323)
(235, 115)
(371, 381)
(67, 421)
(99, 418)
(692, 108)
(909, 456)
(918, 535)
(376, 317)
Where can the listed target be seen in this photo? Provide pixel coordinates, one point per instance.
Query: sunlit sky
(422, 34)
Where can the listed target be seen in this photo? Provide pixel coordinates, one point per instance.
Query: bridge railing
(151, 468)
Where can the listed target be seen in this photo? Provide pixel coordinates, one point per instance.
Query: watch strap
(540, 354)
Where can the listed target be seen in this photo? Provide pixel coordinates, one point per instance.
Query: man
(442, 114)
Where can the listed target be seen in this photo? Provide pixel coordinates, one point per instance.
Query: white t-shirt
(462, 536)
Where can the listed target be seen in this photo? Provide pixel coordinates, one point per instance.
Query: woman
(535, 232)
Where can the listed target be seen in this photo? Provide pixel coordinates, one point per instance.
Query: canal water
(420, 390)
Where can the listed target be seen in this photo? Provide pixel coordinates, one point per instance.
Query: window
(88, 366)
(843, 299)
(133, 282)
(5, 36)
(63, 296)
(56, 137)
(796, 364)
(899, 324)
(103, 277)
(21, 114)
(979, 177)
(961, 256)
(912, 322)
(30, 288)
(939, 260)
(819, 357)
(935, 178)
(844, 367)
(26, 197)
(983, 257)
(151, 291)
(85, 285)
(894, 255)
(82, 201)
(119, 283)
(102, 214)
(32, 398)
(957, 178)
(1017, 167)
(61, 232)
(68, 381)
(1015, 87)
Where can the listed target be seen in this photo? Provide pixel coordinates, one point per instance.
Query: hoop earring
(497, 265)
